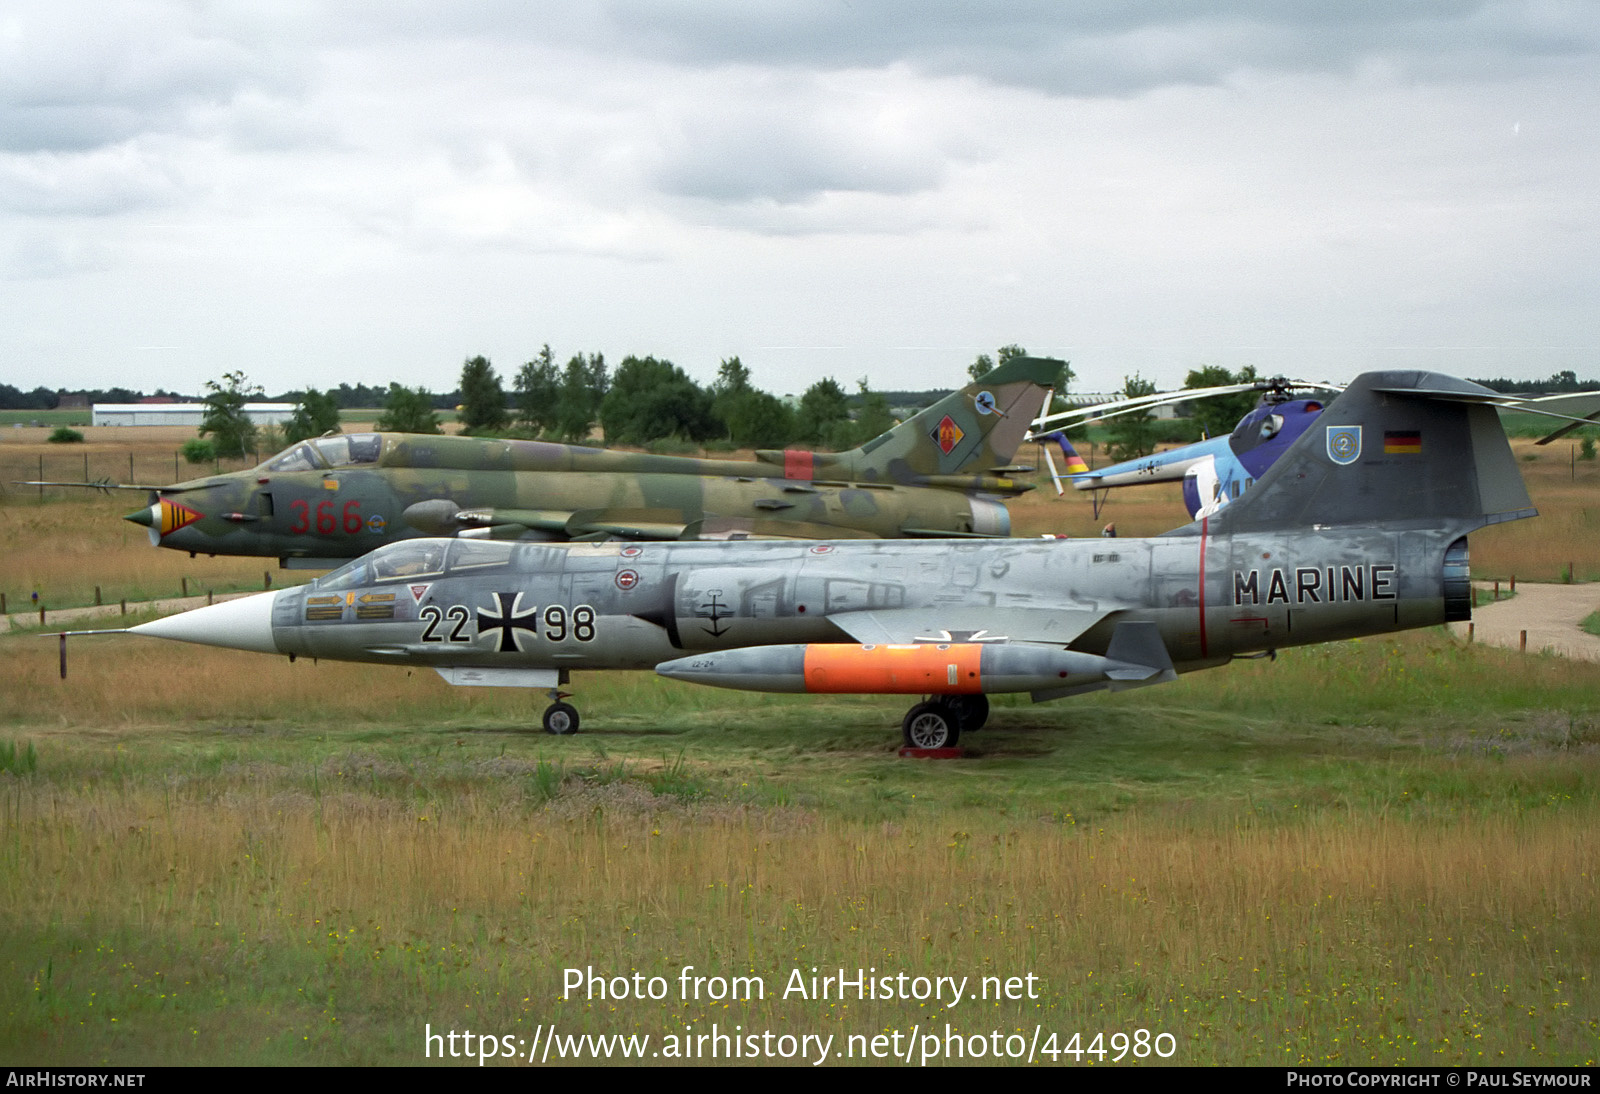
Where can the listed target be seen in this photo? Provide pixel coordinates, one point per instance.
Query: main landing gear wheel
(972, 711)
(561, 719)
(931, 725)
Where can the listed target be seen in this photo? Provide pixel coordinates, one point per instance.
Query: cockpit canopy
(327, 453)
(418, 560)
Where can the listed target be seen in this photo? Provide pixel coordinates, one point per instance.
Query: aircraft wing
(944, 623)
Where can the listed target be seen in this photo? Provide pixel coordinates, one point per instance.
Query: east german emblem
(947, 434)
(1344, 444)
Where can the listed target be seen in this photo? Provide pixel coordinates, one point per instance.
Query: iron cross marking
(716, 612)
(508, 618)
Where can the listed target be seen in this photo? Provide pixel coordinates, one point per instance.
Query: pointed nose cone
(243, 624)
(150, 517)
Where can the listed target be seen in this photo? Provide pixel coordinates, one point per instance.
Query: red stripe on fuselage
(798, 465)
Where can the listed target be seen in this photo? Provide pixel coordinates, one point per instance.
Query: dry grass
(251, 916)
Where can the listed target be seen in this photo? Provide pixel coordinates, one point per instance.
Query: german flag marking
(1402, 443)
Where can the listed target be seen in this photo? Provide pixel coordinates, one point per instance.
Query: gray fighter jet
(1350, 533)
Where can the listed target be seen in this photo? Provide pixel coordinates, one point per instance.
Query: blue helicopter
(1213, 471)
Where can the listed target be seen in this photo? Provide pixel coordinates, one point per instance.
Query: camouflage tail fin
(1395, 446)
(972, 433)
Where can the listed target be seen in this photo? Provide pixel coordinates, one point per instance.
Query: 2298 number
(447, 625)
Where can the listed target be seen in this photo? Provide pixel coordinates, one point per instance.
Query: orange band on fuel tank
(946, 669)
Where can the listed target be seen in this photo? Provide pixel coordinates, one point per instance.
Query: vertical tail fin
(971, 432)
(1395, 446)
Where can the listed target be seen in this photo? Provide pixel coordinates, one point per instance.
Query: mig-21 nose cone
(164, 517)
(243, 624)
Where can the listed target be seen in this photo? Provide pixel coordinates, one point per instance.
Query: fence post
(1470, 627)
(185, 585)
(97, 596)
(1522, 646)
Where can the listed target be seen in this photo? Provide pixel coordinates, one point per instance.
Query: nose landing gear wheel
(560, 719)
(931, 725)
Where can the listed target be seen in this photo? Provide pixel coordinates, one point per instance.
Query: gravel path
(1549, 613)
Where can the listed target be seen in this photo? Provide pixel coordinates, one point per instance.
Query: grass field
(1371, 852)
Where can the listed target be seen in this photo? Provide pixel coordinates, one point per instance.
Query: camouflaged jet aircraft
(1346, 535)
(943, 472)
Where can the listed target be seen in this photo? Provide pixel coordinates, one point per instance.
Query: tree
(650, 399)
(483, 400)
(1132, 435)
(1218, 415)
(873, 417)
(752, 417)
(583, 388)
(758, 419)
(538, 390)
(822, 408)
(315, 413)
(232, 432)
(408, 410)
(732, 385)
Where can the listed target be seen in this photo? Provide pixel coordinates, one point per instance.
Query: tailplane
(965, 440)
(1395, 446)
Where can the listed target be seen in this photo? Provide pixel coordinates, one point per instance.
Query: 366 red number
(328, 522)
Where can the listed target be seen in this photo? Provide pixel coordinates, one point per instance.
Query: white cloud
(386, 188)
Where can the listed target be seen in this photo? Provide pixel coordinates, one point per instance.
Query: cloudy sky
(352, 191)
